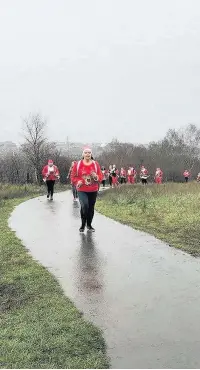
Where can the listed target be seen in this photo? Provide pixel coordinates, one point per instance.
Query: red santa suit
(131, 175)
(158, 176)
(186, 173)
(50, 172)
(115, 175)
(122, 176)
(82, 172)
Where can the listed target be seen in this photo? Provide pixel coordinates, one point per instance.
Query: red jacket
(186, 174)
(50, 173)
(159, 173)
(82, 172)
(123, 173)
(143, 172)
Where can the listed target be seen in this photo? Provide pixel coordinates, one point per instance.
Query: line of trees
(177, 151)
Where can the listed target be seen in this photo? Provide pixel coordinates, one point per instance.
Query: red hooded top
(50, 173)
(123, 172)
(83, 172)
(186, 174)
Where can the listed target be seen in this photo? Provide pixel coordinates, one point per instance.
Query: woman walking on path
(86, 175)
(50, 174)
(74, 190)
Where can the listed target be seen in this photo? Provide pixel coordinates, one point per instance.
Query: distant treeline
(177, 151)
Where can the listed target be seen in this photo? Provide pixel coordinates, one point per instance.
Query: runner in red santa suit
(110, 175)
(115, 175)
(144, 175)
(74, 190)
(104, 173)
(50, 174)
(158, 176)
(186, 174)
(86, 175)
(131, 175)
(122, 176)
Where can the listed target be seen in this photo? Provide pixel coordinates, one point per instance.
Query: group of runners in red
(86, 176)
(123, 176)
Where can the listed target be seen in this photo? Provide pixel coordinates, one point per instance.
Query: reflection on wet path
(144, 295)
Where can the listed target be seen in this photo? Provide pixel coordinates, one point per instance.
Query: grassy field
(40, 327)
(170, 211)
(8, 191)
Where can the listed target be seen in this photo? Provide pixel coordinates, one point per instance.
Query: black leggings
(50, 186)
(87, 201)
(110, 180)
(144, 181)
(186, 179)
(74, 191)
(104, 183)
(123, 180)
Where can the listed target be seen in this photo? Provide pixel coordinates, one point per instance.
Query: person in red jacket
(158, 176)
(104, 173)
(123, 176)
(50, 174)
(131, 175)
(115, 176)
(74, 190)
(186, 174)
(86, 175)
(144, 175)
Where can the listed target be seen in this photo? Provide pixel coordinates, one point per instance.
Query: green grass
(40, 327)
(8, 191)
(170, 211)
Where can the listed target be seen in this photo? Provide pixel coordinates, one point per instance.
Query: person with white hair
(86, 175)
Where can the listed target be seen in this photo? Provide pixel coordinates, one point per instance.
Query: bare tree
(36, 145)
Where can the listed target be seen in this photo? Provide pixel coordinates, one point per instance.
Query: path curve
(143, 294)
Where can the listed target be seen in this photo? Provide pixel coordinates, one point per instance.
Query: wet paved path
(143, 294)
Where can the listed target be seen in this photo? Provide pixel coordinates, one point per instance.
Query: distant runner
(110, 175)
(143, 175)
(104, 173)
(74, 190)
(50, 174)
(86, 175)
(114, 173)
(131, 175)
(122, 176)
(186, 175)
(158, 176)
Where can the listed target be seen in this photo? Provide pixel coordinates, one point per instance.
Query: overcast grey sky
(100, 69)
